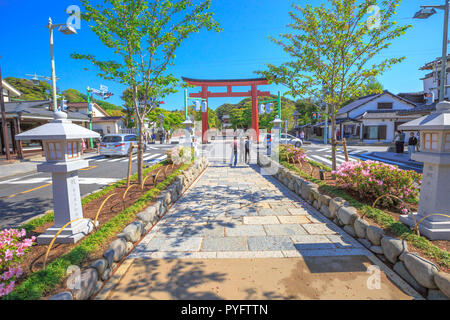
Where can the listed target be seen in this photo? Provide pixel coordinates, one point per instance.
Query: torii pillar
(254, 93)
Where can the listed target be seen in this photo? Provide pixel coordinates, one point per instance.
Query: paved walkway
(239, 235)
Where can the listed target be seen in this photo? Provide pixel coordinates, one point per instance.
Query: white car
(118, 144)
(289, 139)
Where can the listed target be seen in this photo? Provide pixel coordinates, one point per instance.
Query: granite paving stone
(245, 230)
(317, 228)
(261, 220)
(294, 219)
(284, 229)
(270, 243)
(225, 244)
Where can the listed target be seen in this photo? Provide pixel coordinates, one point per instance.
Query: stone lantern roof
(439, 120)
(58, 129)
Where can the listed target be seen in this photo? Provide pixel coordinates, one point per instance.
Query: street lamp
(296, 116)
(424, 13)
(67, 30)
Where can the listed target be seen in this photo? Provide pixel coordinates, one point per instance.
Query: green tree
(331, 46)
(144, 36)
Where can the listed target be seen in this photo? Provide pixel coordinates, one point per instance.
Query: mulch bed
(33, 261)
(394, 212)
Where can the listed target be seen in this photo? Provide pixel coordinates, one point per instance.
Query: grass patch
(50, 217)
(41, 282)
(383, 219)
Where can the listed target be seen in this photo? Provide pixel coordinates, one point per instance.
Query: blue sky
(237, 52)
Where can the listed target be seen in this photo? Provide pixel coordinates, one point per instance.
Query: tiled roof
(39, 109)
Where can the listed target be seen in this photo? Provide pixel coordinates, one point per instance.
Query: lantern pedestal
(436, 182)
(62, 145)
(66, 203)
(435, 190)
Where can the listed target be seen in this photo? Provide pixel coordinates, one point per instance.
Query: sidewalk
(397, 157)
(239, 235)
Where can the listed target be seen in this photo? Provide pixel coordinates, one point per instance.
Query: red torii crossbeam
(229, 84)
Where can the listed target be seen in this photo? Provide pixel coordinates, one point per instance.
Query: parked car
(118, 144)
(289, 139)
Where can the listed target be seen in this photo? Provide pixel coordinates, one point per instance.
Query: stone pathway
(247, 225)
(238, 213)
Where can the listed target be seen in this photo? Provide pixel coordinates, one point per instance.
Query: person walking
(241, 149)
(399, 140)
(412, 142)
(418, 142)
(234, 151)
(302, 136)
(247, 150)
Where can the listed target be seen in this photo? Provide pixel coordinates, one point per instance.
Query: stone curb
(417, 272)
(94, 278)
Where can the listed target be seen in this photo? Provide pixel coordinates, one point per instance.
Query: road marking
(88, 168)
(118, 159)
(321, 150)
(100, 181)
(151, 156)
(27, 191)
(321, 159)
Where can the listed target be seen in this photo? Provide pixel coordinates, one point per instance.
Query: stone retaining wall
(421, 274)
(91, 280)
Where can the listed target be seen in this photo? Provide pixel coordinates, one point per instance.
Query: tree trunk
(140, 155)
(333, 139)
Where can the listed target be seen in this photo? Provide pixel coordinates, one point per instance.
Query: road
(322, 153)
(28, 195)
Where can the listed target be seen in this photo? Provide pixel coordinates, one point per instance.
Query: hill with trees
(43, 91)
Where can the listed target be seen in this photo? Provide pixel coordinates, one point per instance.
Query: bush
(179, 155)
(372, 179)
(289, 152)
(12, 249)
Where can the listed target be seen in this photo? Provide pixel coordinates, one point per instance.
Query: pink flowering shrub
(12, 249)
(289, 152)
(372, 179)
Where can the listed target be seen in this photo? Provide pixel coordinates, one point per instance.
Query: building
(373, 118)
(102, 122)
(25, 115)
(432, 80)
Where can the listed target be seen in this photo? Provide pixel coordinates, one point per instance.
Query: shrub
(12, 249)
(289, 152)
(372, 179)
(178, 155)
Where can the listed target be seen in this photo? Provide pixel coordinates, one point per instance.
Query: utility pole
(4, 123)
(444, 55)
(90, 114)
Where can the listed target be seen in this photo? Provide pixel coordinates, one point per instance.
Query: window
(374, 133)
(131, 138)
(54, 151)
(73, 149)
(384, 105)
(112, 139)
(430, 141)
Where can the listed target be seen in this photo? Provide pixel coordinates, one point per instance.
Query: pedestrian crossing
(147, 158)
(323, 155)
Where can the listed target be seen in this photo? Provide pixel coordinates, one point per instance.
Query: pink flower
(8, 255)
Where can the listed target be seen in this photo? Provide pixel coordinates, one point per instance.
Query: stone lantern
(62, 146)
(435, 154)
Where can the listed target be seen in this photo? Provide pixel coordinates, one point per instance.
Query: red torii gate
(205, 94)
